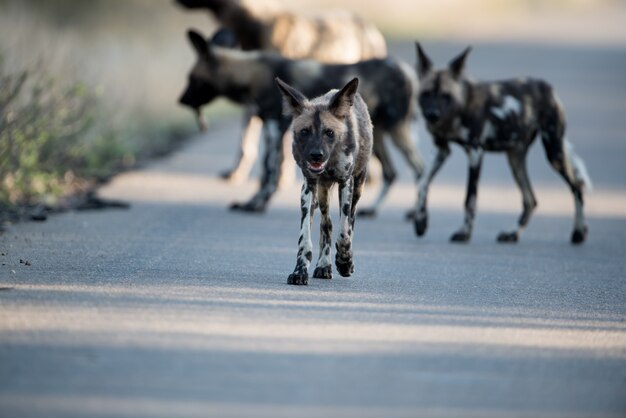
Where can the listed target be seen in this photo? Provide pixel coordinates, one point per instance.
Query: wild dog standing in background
(330, 37)
(388, 87)
(332, 144)
(502, 116)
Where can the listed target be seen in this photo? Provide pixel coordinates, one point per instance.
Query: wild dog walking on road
(501, 116)
(332, 144)
(329, 37)
(388, 87)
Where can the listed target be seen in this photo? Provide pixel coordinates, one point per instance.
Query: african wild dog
(332, 144)
(503, 116)
(388, 87)
(329, 37)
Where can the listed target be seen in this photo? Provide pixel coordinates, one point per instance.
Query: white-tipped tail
(578, 166)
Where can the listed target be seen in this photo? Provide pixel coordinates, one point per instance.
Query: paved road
(179, 308)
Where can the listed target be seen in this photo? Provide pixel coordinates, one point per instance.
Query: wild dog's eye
(305, 132)
(446, 98)
(329, 133)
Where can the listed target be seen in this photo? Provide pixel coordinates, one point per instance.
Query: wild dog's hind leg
(343, 258)
(421, 213)
(323, 269)
(572, 169)
(403, 140)
(389, 174)
(249, 149)
(517, 162)
(300, 275)
(475, 157)
(274, 131)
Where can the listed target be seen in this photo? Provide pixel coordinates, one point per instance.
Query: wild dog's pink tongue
(202, 124)
(316, 166)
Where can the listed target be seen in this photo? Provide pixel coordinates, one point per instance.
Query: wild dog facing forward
(388, 87)
(332, 144)
(502, 116)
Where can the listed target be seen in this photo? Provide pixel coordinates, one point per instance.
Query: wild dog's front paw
(579, 235)
(421, 223)
(366, 213)
(345, 268)
(460, 236)
(323, 272)
(300, 279)
(509, 237)
(251, 207)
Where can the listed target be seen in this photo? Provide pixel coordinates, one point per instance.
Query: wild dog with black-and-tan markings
(388, 87)
(333, 37)
(332, 145)
(500, 116)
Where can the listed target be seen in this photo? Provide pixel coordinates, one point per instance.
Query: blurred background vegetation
(90, 87)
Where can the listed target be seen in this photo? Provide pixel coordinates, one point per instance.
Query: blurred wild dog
(330, 37)
(501, 116)
(332, 144)
(388, 87)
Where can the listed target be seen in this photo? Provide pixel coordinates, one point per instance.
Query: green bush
(49, 137)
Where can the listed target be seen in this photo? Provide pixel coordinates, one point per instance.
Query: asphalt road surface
(179, 308)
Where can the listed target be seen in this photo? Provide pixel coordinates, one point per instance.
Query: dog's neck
(241, 73)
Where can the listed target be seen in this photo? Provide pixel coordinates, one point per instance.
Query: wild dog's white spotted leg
(475, 157)
(249, 149)
(403, 140)
(323, 269)
(517, 161)
(343, 258)
(389, 173)
(271, 168)
(421, 212)
(300, 275)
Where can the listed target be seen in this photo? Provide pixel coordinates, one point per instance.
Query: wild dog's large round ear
(293, 101)
(424, 64)
(343, 100)
(457, 65)
(198, 42)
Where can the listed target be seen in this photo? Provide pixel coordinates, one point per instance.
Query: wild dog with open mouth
(388, 87)
(330, 37)
(332, 144)
(502, 116)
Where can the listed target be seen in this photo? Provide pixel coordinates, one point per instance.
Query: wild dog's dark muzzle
(316, 162)
(432, 114)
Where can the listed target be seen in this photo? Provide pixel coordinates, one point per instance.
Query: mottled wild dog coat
(388, 87)
(502, 116)
(332, 144)
(329, 37)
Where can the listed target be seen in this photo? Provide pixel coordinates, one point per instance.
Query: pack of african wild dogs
(324, 85)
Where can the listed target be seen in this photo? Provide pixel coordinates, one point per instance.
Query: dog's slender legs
(300, 275)
(323, 269)
(343, 258)
(271, 168)
(475, 157)
(517, 162)
(288, 169)
(359, 182)
(564, 162)
(389, 173)
(403, 140)
(421, 213)
(248, 150)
